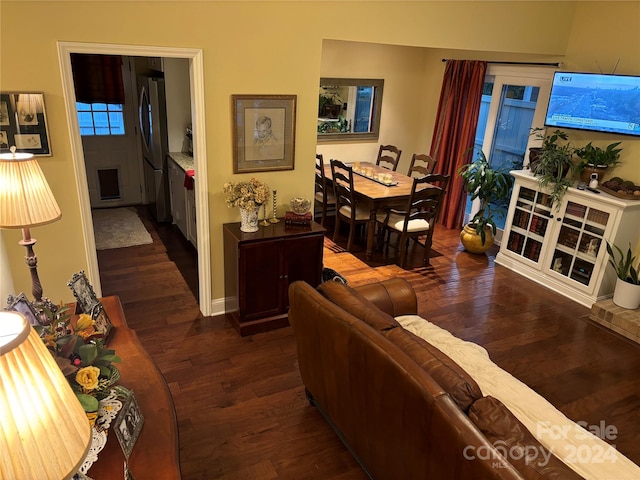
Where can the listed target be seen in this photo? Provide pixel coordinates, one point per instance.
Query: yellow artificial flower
(84, 322)
(87, 378)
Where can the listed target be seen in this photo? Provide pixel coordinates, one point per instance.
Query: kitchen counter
(183, 160)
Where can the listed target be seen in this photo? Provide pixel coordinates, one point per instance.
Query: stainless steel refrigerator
(153, 130)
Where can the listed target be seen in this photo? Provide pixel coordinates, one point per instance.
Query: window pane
(100, 119)
(83, 107)
(115, 107)
(86, 131)
(99, 107)
(85, 119)
(116, 121)
(102, 131)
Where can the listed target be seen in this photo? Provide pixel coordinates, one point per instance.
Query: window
(100, 118)
(514, 100)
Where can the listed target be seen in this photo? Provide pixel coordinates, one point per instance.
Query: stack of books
(295, 220)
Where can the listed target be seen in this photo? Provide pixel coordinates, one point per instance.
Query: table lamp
(26, 201)
(44, 431)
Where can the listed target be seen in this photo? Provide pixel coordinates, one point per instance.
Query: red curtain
(455, 130)
(97, 78)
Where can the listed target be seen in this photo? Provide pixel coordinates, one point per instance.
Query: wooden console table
(155, 454)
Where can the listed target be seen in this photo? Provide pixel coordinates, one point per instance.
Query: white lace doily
(107, 411)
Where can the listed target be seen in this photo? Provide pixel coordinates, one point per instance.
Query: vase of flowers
(80, 353)
(249, 197)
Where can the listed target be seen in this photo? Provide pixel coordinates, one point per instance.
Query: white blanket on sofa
(584, 452)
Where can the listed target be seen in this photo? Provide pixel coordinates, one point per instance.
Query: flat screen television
(596, 102)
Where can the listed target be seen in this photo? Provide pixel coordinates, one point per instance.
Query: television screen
(592, 101)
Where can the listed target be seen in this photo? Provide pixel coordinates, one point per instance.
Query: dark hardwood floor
(241, 409)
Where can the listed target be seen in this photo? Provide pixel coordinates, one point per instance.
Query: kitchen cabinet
(177, 196)
(564, 248)
(190, 212)
(259, 266)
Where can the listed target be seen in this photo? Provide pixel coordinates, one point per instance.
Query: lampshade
(25, 197)
(44, 431)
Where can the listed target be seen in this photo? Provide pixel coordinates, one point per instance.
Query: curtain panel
(97, 78)
(455, 130)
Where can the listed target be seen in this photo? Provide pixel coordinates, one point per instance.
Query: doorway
(513, 102)
(196, 74)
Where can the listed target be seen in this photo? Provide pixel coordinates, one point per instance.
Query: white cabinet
(564, 248)
(190, 209)
(178, 195)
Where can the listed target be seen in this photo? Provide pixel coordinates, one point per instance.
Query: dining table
(376, 192)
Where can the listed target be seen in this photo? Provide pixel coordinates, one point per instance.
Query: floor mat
(118, 228)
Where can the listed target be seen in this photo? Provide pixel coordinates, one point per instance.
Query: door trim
(196, 74)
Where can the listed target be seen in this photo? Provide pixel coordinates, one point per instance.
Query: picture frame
(21, 303)
(101, 322)
(128, 425)
(23, 123)
(264, 132)
(86, 300)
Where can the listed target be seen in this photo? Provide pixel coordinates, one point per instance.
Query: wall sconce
(26, 201)
(45, 432)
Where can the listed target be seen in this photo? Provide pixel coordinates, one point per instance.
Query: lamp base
(32, 262)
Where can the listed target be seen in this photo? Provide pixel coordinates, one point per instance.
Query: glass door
(514, 101)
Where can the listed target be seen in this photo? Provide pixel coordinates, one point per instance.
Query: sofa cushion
(352, 302)
(452, 378)
(514, 441)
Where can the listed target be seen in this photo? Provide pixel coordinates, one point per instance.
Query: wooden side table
(259, 266)
(155, 454)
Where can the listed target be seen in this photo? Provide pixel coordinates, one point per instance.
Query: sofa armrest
(394, 296)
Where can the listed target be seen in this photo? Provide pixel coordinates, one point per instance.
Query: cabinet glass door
(580, 241)
(529, 224)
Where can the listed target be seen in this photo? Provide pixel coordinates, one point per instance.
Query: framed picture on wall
(23, 123)
(264, 131)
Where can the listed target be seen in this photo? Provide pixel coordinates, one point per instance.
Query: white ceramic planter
(626, 295)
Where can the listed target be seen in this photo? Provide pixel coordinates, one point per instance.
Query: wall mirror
(349, 109)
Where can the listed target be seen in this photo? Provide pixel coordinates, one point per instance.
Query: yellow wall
(270, 47)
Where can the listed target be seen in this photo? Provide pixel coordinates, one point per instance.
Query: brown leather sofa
(403, 408)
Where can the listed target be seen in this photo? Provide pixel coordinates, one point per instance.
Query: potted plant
(553, 162)
(627, 290)
(492, 187)
(597, 160)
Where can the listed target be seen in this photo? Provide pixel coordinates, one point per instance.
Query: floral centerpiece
(249, 196)
(80, 353)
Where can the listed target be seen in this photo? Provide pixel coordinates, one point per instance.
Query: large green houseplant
(627, 290)
(553, 162)
(491, 187)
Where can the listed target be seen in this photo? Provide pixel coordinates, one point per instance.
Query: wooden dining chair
(347, 208)
(324, 196)
(388, 157)
(421, 165)
(417, 219)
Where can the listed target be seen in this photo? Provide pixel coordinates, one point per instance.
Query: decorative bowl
(300, 205)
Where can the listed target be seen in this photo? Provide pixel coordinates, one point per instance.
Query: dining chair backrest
(424, 203)
(421, 165)
(347, 207)
(437, 179)
(388, 157)
(342, 175)
(321, 181)
(324, 196)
